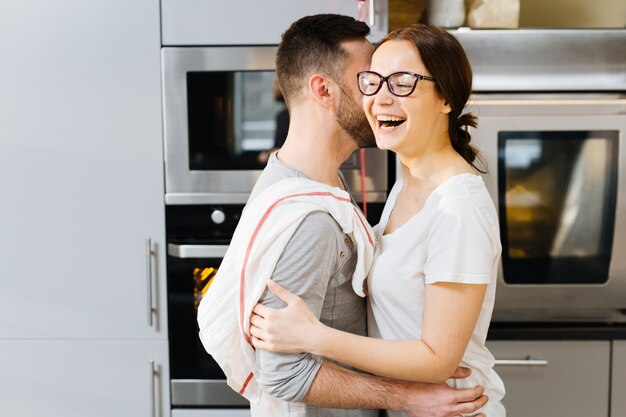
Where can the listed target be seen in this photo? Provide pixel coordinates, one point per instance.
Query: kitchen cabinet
(84, 378)
(618, 379)
(81, 171)
(81, 174)
(246, 22)
(567, 378)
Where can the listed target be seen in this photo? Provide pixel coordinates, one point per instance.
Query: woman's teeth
(386, 122)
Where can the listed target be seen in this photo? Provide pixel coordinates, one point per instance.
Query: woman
(432, 284)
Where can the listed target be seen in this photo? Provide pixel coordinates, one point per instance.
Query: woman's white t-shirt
(454, 238)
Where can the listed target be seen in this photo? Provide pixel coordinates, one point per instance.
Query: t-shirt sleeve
(304, 268)
(460, 246)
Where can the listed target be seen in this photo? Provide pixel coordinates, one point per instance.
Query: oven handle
(521, 362)
(196, 251)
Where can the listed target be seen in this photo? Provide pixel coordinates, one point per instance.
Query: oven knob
(218, 216)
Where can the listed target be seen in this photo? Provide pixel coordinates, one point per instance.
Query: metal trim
(196, 251)
(199, 392)
(172, 199)
(515, 60)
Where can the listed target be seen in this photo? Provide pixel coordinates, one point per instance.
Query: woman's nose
(384, 96)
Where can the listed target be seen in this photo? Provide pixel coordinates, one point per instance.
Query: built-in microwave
(220, 113)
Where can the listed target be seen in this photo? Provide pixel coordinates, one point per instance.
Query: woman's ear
(446, 108)
(320, 89)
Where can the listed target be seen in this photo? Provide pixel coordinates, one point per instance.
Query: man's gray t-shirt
(317, 264)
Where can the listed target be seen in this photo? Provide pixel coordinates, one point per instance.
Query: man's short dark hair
(312, 44)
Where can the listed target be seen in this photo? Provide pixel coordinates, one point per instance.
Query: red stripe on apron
(245, 384)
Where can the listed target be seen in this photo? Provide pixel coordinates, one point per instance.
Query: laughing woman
(432, 284)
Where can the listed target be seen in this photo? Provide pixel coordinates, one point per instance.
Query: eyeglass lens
(400, 84)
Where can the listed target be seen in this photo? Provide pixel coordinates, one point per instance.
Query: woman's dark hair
(445, 60)
(313, 44)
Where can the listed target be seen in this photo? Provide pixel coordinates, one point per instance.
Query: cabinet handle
(154, 374)
(196, 251)
(521, 362)
(149, 254)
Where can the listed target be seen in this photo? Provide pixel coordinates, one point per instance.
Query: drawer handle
(529, 361)
(154, 396)
(150, 253)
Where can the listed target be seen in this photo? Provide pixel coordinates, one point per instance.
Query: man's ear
(320, 89)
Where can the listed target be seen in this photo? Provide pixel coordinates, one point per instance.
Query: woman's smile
(387, 123)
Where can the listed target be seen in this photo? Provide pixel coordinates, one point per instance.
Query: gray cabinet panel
(247, 22)
(84, 378)
(618, 381)
(81, 169)
(575, 381)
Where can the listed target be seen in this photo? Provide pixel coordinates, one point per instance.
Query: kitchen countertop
(556, 331)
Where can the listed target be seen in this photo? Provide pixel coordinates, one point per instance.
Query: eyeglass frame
(384, 80)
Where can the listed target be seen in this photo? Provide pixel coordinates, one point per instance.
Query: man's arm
(338, 387)
(305, 267)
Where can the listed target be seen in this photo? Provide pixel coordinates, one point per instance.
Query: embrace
(313, 313)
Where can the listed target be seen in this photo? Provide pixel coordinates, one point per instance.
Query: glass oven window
(557, 193)
(233, 116)
(188, 280)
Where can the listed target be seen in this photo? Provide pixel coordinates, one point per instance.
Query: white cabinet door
(81, 169)
(253, 22)
(573, 381)
(618, 382)
(84, 378)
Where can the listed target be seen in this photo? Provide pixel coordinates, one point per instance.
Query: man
(316, 66)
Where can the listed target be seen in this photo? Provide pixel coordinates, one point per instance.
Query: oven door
(556, 170)
(196, 379)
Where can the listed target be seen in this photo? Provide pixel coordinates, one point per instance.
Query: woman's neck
(436, 164)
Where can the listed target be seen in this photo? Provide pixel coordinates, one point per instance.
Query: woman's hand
(291, 329)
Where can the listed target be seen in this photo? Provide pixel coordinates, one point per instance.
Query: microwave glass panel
(557, 192)
(232, 117)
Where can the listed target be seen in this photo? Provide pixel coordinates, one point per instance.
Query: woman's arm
(450, 314)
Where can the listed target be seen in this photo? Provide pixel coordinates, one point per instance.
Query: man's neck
(314, 158)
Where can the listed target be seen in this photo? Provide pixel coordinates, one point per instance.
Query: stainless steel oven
(557, 171)
(552, 131)
(220, 113)
(197, 239)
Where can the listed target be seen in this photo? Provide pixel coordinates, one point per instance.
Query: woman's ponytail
(460, 136)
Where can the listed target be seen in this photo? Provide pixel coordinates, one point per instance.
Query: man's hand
(439, 400)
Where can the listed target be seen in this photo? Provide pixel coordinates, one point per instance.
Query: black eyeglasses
(400, 83)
